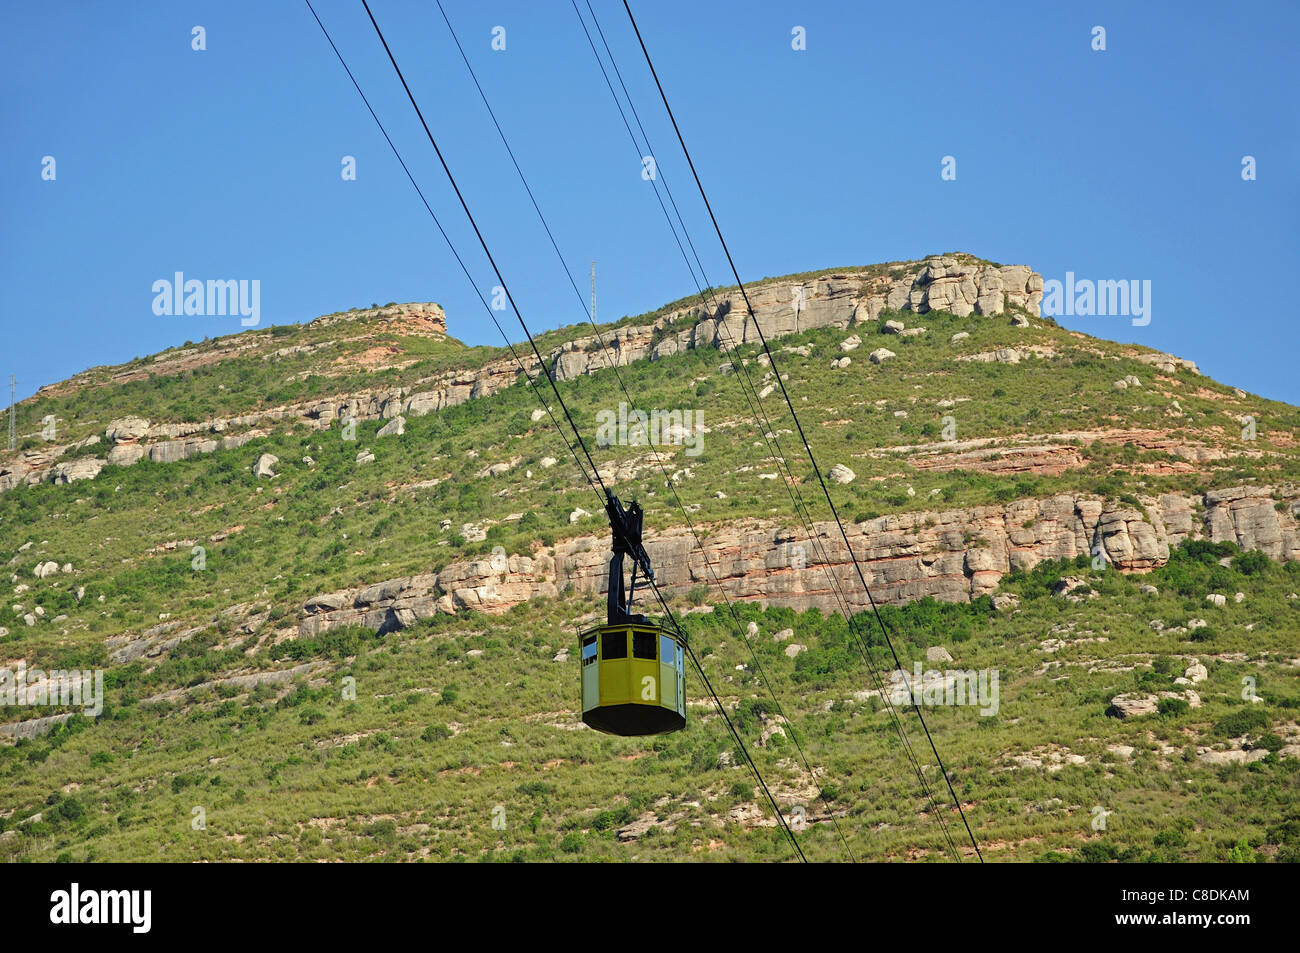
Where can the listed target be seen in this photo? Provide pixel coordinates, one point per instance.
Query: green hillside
(460, 721)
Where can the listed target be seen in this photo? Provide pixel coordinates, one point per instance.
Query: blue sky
(225, 163)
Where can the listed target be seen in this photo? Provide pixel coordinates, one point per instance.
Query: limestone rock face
(123, 455)
(170, 451)
(486, 585)
(1134, 705)
(570, 364)
(1168, 363)
(1249, 518)
(83, 468)
(33, 727)
(952, 555)
(127, 429)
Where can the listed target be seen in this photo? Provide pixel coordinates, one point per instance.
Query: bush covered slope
(229, 732)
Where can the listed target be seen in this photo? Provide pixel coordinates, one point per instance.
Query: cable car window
(643, 645)
(666, 648)
(613, 645)
(589, 650)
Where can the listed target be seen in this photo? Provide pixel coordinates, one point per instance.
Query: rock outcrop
(953, 556)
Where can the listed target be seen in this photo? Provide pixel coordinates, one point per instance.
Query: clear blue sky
(226, 163)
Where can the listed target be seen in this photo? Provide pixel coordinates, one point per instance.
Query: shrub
(1241, 722)
(1241, 853)
(384, 831)
(1270, 741)
(572, 842)
(436, 733)
(1252, 563)
(1173, 707)
(605, 820)
(1174, 839)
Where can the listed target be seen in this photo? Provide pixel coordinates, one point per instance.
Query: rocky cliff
(951, 555)
(960, 284)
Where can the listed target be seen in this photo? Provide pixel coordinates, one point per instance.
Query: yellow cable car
(633, 670)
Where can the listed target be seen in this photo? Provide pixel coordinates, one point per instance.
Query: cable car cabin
(632, 669)
(633, 679)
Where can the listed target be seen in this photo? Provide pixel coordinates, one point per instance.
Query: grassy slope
(136, 774)
(437, 738)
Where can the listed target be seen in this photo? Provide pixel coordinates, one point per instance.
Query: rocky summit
(332, 576)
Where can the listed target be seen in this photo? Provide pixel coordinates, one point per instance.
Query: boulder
(841, 474)
(264, 465)
(893, 327)
(937, 653)
(395, 427)
(851, 343)
(83, 468)
(1133, 705)
(365, 456)
(881, 354)
(45, 570)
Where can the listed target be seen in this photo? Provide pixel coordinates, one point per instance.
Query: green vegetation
(235, 711)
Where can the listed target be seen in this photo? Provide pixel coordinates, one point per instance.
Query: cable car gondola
(633, 669)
